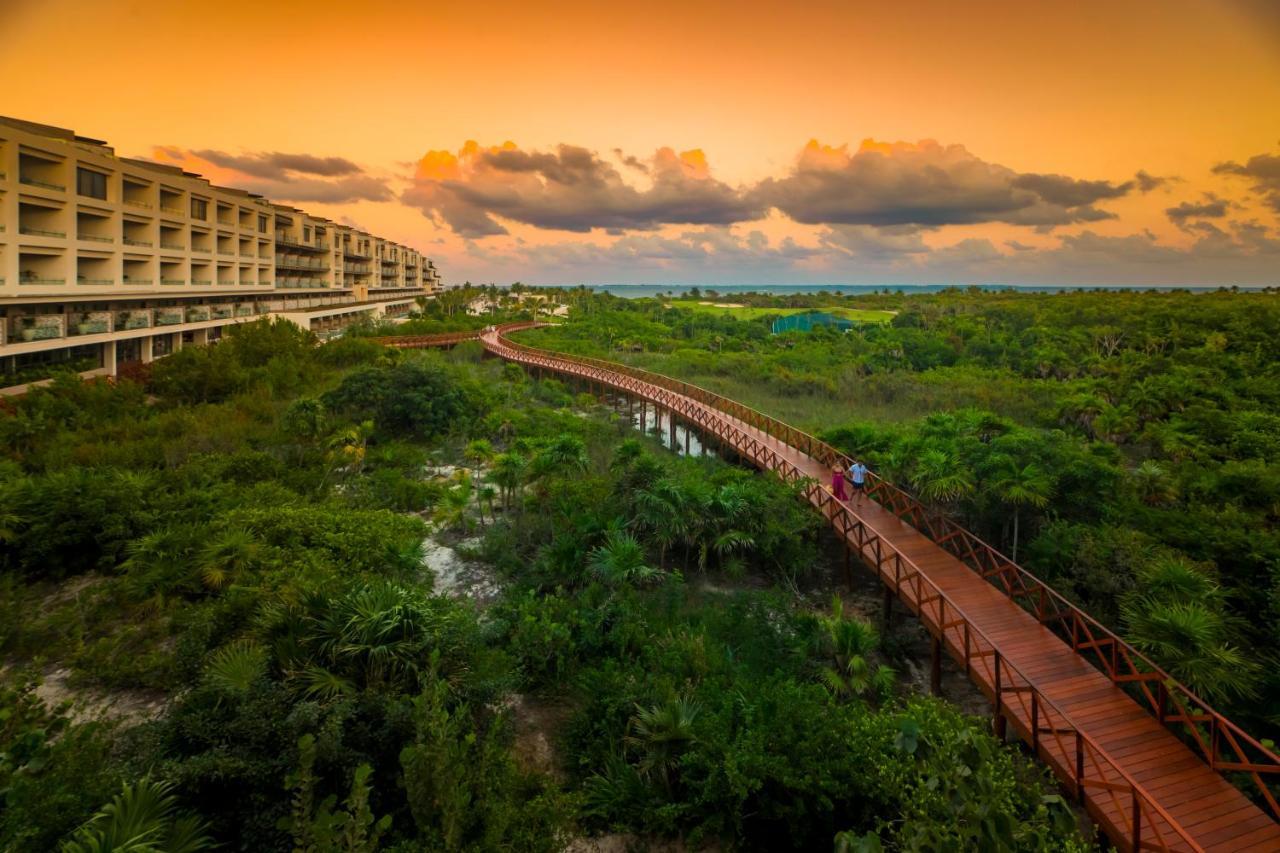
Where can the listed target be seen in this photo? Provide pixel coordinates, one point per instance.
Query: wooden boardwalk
(1117, 750)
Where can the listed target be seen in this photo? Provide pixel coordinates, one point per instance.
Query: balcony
(129, 241)
(91, 282)
(41, 232)
(168, 317)
(44, 185)
(286, 240)
(174, 247)
(244, 309)
(198, 314)
(173, 281)
(35, 279)
(139, 282)
(93, 238)
(301, 264)
(220, 312)
(172, 211)
(357, 255)
(89, 323)
(202, 282)
(134, 203)
(44, 327)
(135, 318)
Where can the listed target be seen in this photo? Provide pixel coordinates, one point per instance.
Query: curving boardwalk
(1140, 752)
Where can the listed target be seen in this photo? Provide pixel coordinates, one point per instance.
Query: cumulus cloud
(570, 189)
(1210, 207)
(280, 176)
(1263, 170)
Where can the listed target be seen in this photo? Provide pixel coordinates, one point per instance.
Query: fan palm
(621, 560)
(142, 818)
(661, 734)
(236, 666)
(940, 477)
(850, 644)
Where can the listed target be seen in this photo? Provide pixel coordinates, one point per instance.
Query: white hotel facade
(106, 260)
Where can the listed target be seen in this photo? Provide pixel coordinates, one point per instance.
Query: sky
(1093, 142)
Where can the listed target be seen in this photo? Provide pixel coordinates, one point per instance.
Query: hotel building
(106, 260)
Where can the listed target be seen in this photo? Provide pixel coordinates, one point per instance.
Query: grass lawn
(860, 315)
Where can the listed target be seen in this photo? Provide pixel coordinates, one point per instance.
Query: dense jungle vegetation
(236, 550)
(1123, 446)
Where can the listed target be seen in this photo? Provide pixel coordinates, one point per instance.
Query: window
(262, 223)
(92, 184)
(306, 233)
(199, 209)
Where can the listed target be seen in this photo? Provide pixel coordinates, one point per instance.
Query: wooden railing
(1087, 769)
(1222, 744)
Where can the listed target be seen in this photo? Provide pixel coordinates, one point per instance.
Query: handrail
(1225, 747)
(873, 547)
(1219, 742)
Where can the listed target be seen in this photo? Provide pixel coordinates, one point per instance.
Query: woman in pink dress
(837, 484)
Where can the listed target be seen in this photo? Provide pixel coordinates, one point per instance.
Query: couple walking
(858, 476)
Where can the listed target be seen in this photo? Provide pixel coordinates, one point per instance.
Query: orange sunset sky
(1100, 141)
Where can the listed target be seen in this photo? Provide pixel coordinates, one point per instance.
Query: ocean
(636, 291)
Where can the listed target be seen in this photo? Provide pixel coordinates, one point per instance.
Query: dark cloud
(282, 177)
(1068, 192)
(1263, 170)
(277, 165)
(1148, 182)
(1211, 207)
(343, 190)
(571, 189)
(631, 160)
(927, 184)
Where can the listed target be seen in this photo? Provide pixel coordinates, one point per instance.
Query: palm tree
(850, 643)
(940, 478)
(508, 472)
(566, 455)
(347, 446)
(478, 452)
(1019, 487)
(1175, 614)
(454, 503)
(1153, 484)
(621, 560)
(142, 818)
(663, 511)
(661, 734)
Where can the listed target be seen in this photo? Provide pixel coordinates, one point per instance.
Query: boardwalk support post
(935, 665)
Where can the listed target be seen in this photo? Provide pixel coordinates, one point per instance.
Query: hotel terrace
(106, 260)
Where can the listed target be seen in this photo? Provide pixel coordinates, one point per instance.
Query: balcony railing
(198, 314)
(201, 282)
(129, 241)
(35, 182)
(35, 279)
(135, 318)
(146, 282)
(173, 281)
(220, 312)
(40, 232)
(202, 250)
(90, 323)
(94, 281)
(95, 238)
(133, 203)
(176, 247)
(176, 211)
(286, 240)
(43, 328)
(228, 252)
(171, 317)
